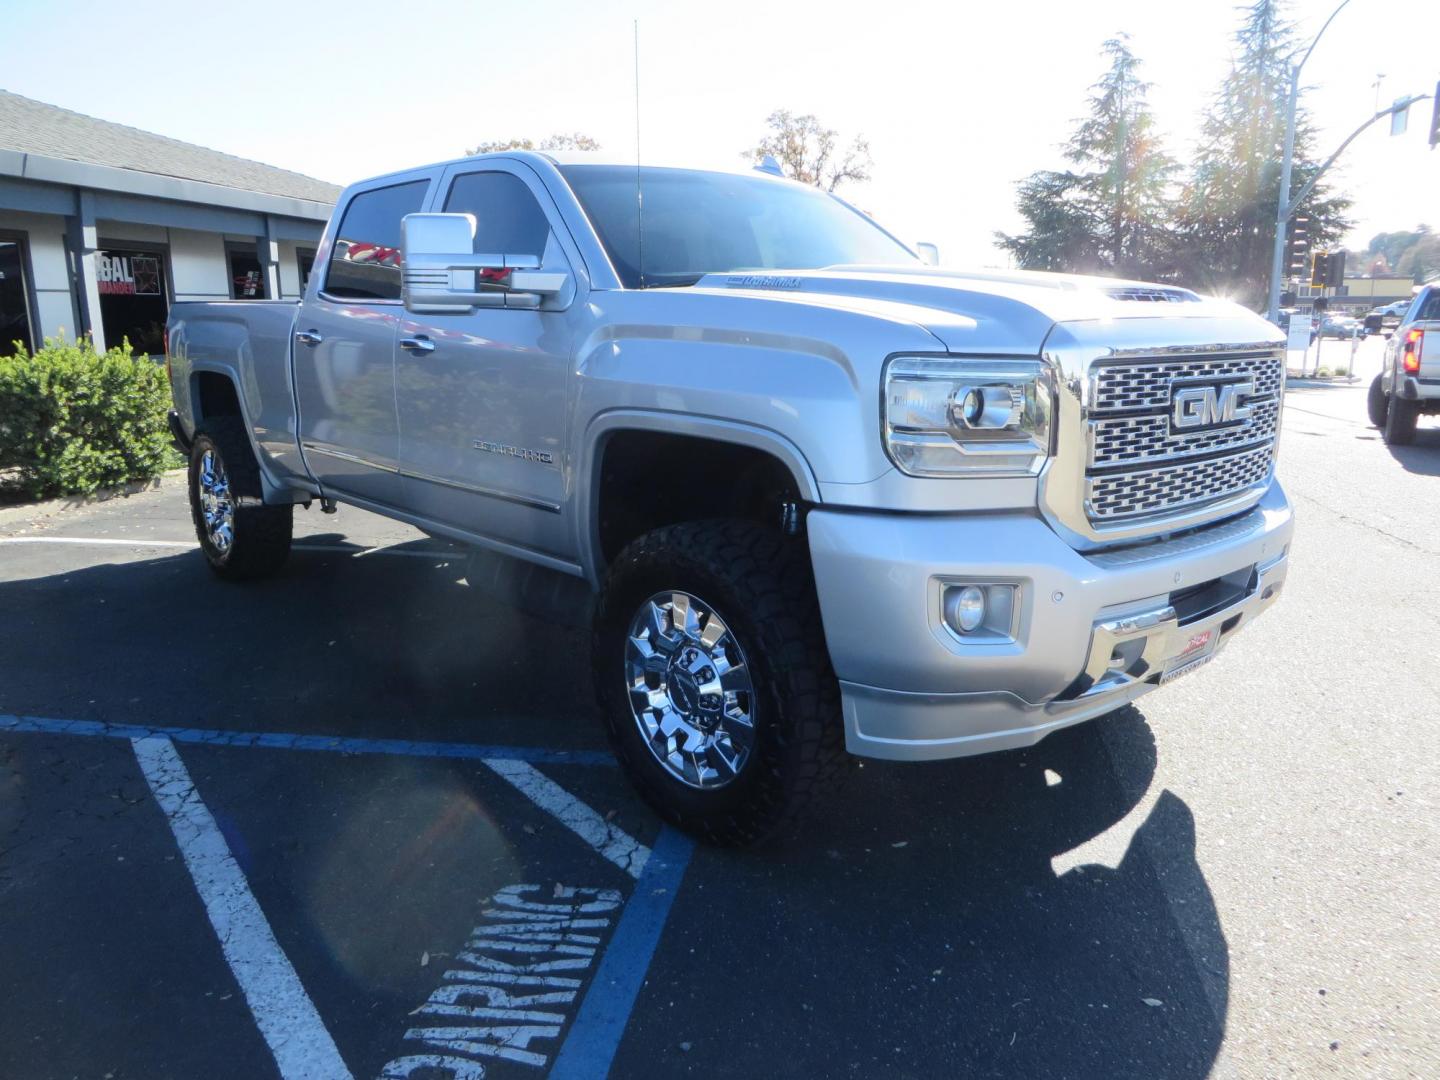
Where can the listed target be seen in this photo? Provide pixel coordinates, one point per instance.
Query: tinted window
(508, 220)
(710, 222)
(365, 264)
(1429, 306)
(14, 314)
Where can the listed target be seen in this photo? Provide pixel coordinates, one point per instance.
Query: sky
(959, 100)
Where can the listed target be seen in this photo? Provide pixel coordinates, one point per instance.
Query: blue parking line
(287, 741)
(593, 1039)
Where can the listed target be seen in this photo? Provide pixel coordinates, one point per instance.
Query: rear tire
(242, 538)
(1376, 404)
(765, 662)
(1400, 422)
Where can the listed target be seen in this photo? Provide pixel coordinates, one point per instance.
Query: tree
(577, 141)
(807, 151)
(1228, 207)
(1415, 253)
(1110, 212)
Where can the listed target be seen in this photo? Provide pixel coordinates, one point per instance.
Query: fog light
(967, 608)
(980, 614)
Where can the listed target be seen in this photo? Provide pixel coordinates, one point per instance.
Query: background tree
(807, 151)
(1228, 208)
(1415, 253)
(577, 141)
(1110, 211)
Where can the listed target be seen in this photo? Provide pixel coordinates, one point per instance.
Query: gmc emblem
(1207, 406)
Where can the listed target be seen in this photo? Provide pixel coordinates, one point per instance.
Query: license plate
(1197, 652)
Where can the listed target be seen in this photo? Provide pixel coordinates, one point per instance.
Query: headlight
(958, 417)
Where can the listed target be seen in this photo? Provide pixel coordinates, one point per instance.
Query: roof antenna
(639, 199)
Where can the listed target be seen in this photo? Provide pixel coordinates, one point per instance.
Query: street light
(1283, 207)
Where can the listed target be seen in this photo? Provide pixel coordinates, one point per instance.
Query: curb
(49, 507)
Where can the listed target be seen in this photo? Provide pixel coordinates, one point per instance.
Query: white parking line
(614, 843)
(286, 1016)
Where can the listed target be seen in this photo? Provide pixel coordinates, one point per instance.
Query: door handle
(417, 344)
(309, 337)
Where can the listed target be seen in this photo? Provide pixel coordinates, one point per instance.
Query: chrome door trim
(475, 489)
(343, 456)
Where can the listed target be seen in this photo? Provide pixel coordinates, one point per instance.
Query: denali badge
(524, 454)
(1205, 406)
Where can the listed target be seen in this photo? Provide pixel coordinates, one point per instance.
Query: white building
(103, 226)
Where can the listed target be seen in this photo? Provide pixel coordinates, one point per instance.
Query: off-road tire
(760, 582)
(1376, 404)
(261, 533)
(1400, 422)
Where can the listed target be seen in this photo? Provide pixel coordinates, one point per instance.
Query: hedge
(73, 420)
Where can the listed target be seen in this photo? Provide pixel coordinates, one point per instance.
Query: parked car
(1340, 326)
(666, 426)
(1385, 319)
(1408, 385)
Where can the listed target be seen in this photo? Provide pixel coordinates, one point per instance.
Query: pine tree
(1108, 213)
(1229, 203)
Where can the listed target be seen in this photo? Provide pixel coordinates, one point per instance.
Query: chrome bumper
(1095, 631)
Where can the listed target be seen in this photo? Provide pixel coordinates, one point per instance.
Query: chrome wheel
(690, 690)
(217, 508)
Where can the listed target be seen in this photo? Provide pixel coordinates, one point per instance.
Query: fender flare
(605, 424)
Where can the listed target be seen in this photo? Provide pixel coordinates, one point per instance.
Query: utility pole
(1284, 209)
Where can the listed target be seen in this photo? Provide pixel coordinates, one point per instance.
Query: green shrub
(73, 420)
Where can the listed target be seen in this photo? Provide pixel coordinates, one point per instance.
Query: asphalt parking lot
(353, 821)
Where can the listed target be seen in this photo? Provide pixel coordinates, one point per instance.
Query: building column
(267, 250)
(84, 245)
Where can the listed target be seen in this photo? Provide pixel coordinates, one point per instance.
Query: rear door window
(365, 262)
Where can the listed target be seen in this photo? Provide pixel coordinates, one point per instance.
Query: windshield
(697, 223)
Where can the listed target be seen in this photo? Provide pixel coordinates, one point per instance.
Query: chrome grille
(1149, 438)
(1146, 385)
(1150, 491)
(1140, 465)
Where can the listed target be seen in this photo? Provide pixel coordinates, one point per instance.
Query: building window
(14, 301)
(305, 263)
(133, 298)
(246, 280)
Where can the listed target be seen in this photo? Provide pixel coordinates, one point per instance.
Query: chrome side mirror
(929, 253)
(442, 274)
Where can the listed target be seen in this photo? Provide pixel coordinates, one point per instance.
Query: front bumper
(913, 690)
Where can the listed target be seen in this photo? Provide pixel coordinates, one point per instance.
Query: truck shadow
(929, 920)
(1423, 455)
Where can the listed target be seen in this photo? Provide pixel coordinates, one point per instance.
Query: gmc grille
(1140, 464)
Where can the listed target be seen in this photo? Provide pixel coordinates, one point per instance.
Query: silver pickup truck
(813, 495)
(1409, 381)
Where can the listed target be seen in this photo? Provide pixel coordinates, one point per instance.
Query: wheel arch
(613, 431)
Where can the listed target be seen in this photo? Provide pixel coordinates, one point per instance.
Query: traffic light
(1335, 269)
(1297, 246)
(1327, 270)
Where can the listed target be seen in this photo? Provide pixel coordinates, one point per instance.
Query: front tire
(242, 538)
(1376, 404)
(714, 679)
(1401, 421)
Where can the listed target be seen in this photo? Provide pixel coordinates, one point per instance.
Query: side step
(530, 589)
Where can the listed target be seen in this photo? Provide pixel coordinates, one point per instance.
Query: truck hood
(977, 312)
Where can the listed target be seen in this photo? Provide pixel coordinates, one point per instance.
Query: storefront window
(133, 304)
(14, 307)
(246, 281)
(305, 260)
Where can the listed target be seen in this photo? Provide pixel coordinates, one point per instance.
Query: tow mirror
(442, 273)
(1372, 324)
(929, 253)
